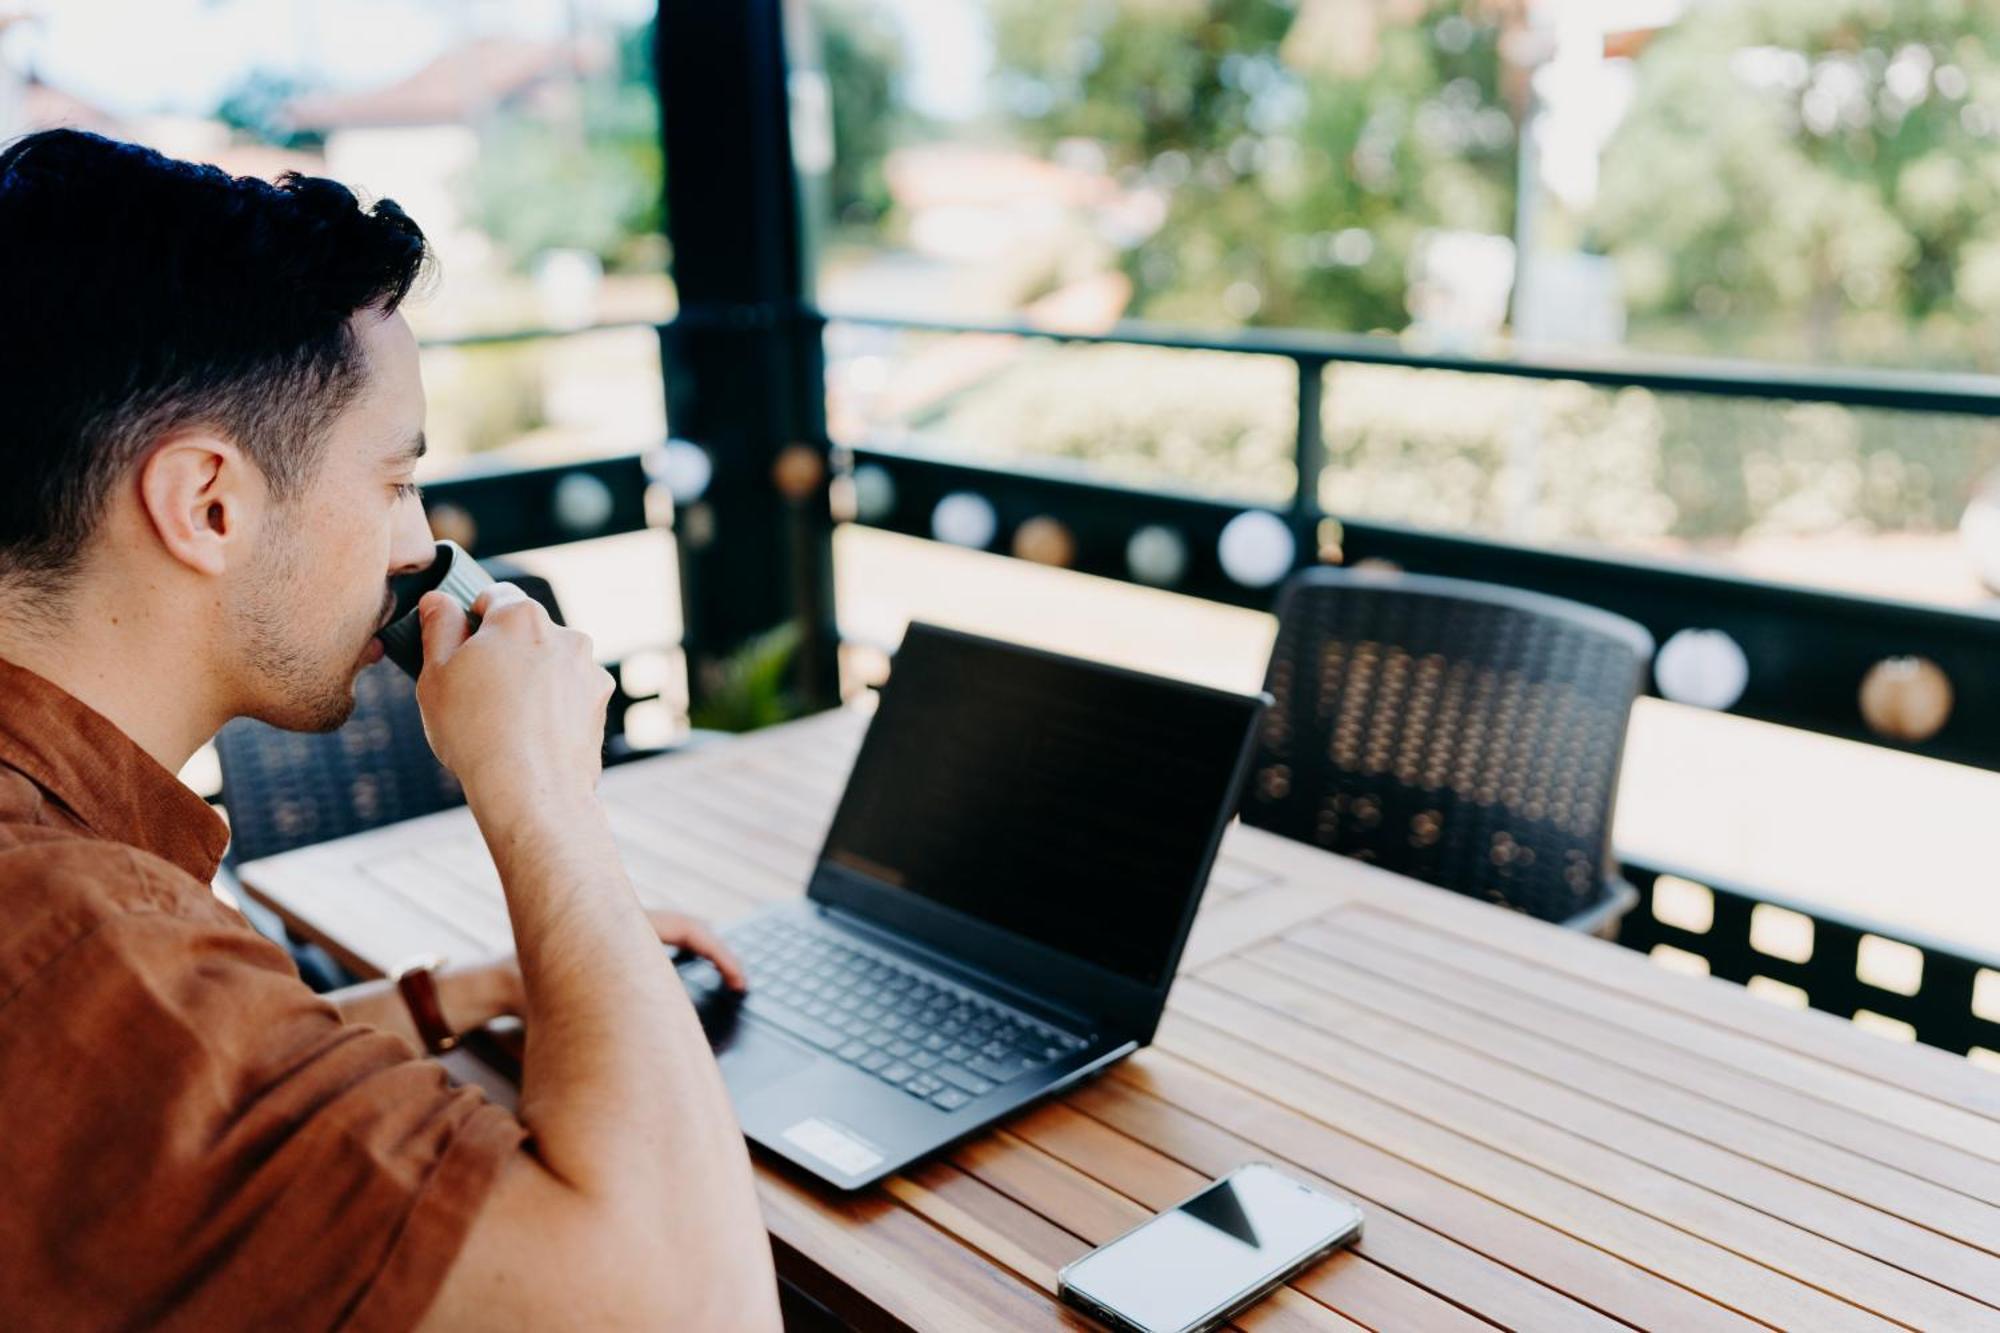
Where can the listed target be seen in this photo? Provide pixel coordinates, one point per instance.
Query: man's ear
(199, 493)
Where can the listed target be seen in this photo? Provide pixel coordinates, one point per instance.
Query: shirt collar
(82, 761)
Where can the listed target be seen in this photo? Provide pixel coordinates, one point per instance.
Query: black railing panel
(1808, 651)
(523, 509)
(1828, 969)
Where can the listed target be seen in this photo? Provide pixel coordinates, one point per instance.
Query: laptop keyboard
(937, 1041)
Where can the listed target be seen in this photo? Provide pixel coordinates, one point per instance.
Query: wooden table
(1545, 1131)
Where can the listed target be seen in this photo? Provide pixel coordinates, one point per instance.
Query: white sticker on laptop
(830, 1143)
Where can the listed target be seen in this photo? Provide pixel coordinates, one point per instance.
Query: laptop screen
(1069, 803)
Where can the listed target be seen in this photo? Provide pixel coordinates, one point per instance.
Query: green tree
(593, 183)
(861, 56)
(1302, 146)
(254, 108)
(1814, 179)
(597, 184)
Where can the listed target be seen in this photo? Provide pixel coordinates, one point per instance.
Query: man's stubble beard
(303, 683)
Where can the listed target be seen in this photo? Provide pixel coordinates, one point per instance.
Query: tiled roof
(456, 87)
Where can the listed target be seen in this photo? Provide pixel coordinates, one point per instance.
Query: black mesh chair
(1460, 733)
(287, 789)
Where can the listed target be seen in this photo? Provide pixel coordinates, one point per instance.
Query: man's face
(307, 611)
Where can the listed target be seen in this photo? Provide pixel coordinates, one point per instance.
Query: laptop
(997, 912)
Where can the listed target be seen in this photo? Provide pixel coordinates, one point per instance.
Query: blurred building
(414, 139)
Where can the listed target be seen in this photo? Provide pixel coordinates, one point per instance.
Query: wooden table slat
(375, 921)
(1674, 1253)
(430, 879)
(734, 850)
(1762, 1121)
(688, 876)
(1354, 1283)
(906, 1270)
(1528, 1131)
(1094, 1214)
(1698, 1165)
(1895, 1105)
(1450, 1269)
(799, 811)
(1582, 1266)
(1012, 1235)
(1825, 1037)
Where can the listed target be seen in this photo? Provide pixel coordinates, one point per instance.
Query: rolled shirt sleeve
(196, 1140)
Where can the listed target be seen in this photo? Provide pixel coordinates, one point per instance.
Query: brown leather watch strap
(417, 981)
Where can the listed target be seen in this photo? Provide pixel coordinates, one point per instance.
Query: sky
(137, 56)
(133, 57)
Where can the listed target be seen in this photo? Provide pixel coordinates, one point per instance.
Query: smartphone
(1207, 1257)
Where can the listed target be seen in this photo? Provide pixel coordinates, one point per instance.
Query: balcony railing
(1807, 649)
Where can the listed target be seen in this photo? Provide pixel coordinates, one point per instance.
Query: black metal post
(743, 362)
(1309, 457)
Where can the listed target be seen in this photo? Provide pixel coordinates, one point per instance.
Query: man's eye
(408, 490)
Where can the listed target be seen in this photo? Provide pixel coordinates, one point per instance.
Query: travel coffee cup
(453, 573)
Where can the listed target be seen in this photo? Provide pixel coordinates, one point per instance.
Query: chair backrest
(1461, 733)
(287, 789)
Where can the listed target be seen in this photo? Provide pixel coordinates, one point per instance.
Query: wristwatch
(417, 981)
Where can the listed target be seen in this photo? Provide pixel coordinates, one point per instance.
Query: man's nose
(412, 547)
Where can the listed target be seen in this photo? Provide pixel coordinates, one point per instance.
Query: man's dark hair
(140, 294)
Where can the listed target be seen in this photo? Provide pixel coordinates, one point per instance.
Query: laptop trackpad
(751, 1060)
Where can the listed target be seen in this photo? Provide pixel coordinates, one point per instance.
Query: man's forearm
(619, 1085)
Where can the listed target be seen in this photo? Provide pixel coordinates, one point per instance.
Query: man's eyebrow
(413, 450)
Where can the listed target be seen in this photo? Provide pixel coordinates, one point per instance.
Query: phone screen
(1204, 1256)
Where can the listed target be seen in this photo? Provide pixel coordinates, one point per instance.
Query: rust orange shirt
(189, 1137)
